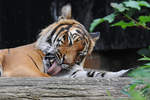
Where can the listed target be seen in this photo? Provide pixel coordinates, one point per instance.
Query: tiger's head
(65, 43)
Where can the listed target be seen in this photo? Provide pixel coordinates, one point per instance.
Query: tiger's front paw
(79, 74)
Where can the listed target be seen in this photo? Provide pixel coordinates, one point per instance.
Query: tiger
(60, 51)
(67, 46)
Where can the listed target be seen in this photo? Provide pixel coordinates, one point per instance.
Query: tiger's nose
(68, 61)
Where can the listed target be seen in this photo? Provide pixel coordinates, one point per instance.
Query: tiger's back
(23, 61)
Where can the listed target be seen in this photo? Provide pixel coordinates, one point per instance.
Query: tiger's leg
(79, 72)
(106, 74)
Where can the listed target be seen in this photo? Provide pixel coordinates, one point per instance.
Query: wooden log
(61, 88)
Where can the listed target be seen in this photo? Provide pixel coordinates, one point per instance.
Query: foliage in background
(139, 89)
(144, 51)
(128, 10)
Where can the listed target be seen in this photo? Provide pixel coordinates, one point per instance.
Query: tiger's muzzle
(53, 64)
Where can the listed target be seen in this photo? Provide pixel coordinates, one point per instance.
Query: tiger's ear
(66, 11)
(95, 36)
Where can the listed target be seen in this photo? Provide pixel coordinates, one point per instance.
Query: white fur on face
(44, 46)
(45, 67)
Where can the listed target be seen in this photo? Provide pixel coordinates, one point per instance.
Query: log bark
(61, 88)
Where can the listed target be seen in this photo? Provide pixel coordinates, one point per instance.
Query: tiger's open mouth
(51, 65)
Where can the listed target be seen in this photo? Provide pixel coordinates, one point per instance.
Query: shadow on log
(61, 88)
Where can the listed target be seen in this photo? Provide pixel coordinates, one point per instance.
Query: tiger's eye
(78, 39)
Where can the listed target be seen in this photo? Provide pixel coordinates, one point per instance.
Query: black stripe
(64, 28)
(103, 74)
(71, 34)
(90, 73)
(40, 56)
(33, 62)
(70, 43)
(49, 57)
(54, 30)
(83, 34)
(79, 31)
(83, 29)
(58, 56)
(58, 51)
(80, 59)
(75, 72)
(75, 35)
(8, 51)
(64, 37)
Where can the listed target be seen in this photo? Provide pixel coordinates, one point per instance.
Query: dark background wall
(22, 20)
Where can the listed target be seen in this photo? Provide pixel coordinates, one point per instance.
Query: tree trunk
(61, 88)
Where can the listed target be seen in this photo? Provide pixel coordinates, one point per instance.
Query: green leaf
(95, 23)
(144, 3)
(110, 18)
(132, 4)
(145, 58)
(146, 90)
(120, 7)
(136, 95)
(125, 92)
(144, 51)
(144, 19)
(148, 64)
(141, 73)
(132, 87)
(149, 47)
(123, 24)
